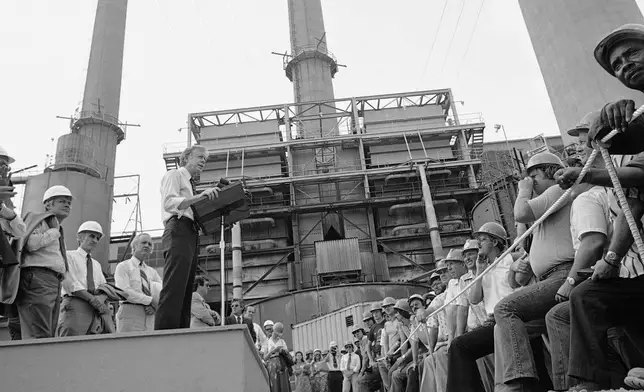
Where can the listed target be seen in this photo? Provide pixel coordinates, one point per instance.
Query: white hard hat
(4, 153)
(267, 323)
(494, 229)
(471, 245)
(56, 190)
(92, 226)
(543, 158)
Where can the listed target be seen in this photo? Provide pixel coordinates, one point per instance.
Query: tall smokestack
(85, 158)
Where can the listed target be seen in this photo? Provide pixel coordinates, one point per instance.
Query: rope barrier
(563, 200)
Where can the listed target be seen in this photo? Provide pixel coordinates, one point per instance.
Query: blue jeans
(621, 355)
(513, 355)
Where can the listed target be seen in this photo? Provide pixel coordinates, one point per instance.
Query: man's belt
(195, 226)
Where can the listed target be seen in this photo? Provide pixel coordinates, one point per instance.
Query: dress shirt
(175, 188)
(77, 276)
(43, 249)
(353, 366)
(127, 277)
(338, 359)
(16, 227)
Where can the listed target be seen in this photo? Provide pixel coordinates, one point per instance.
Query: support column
(471, 176)
(430, 212)
(237, 261)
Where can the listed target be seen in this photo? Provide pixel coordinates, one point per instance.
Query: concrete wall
(564, 34)
(218, 359)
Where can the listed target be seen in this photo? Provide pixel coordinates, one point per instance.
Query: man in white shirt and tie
(350, 367)
(180, 238)
(138, 281)
(80, 304)
(202, 315)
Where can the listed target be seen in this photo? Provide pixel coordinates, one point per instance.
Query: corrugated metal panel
(336, 326)
(338, 255)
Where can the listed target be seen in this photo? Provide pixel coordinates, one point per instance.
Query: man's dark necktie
(239, 320)
(63, 251)
(335, 361)
(91, 287)
(145, 283)
(193, 185)
(349, 362)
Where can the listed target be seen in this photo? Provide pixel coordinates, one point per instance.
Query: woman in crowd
(302, 372)
(319, 372)
(278, 360)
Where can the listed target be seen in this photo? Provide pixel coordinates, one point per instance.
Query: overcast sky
(198, 55)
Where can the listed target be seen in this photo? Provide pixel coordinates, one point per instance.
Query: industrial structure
(346, 193)
(85, 158)
(576, 84)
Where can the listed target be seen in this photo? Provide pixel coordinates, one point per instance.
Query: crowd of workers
(559, 312)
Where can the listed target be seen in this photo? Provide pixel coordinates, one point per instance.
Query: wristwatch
(611, 259)
(571, 281)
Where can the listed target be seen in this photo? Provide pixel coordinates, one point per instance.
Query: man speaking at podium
(180, 238)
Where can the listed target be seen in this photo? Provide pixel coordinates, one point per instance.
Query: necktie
(349, 362)
(90, 275)
(193, 186)
(239, 321)
(335, 361)
(63, 251)
(145, 283)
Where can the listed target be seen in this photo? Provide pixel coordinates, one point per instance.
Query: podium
(221, 359)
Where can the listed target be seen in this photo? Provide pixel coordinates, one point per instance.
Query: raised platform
(218, 359)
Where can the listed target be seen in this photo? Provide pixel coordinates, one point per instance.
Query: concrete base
(217, 359)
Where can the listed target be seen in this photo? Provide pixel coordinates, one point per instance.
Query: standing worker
(180, 238)
(43, 265)
(136, 279)
(81, 305)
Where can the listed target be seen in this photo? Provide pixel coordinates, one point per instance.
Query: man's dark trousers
(180, 249)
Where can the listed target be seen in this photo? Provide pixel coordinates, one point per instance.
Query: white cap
(56, 190)
(333, 344)
(268, 322)
(4, 153)
(91, 226)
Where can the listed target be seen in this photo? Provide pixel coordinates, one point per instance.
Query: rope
(563, 200)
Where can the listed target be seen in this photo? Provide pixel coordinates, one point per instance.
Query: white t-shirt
(495, 284)
(590, 213)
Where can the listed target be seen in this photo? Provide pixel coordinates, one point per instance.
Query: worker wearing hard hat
(375, 340)
(400, 370)
(469, 316)
(621, 54)
(10, 223)
(180, 238)
(389, 340)
(551, 259)
(81, 303)
(44, 265)
(142, 284)
(490, 289)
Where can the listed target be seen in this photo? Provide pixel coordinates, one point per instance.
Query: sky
(200, 55)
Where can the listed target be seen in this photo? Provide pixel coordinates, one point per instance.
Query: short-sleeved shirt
(590, 213)
(631, 265)
(374, 337)
(552, 242)
(439, 320)
(495, 284)
(476, 315)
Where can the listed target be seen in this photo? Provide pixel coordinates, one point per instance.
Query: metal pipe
(259, 242)
(222, 273)
(408, 227)
(237, 261)
(395, 207)
(266, 189)
(403, 175)
(258, 220)
(430, 212)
